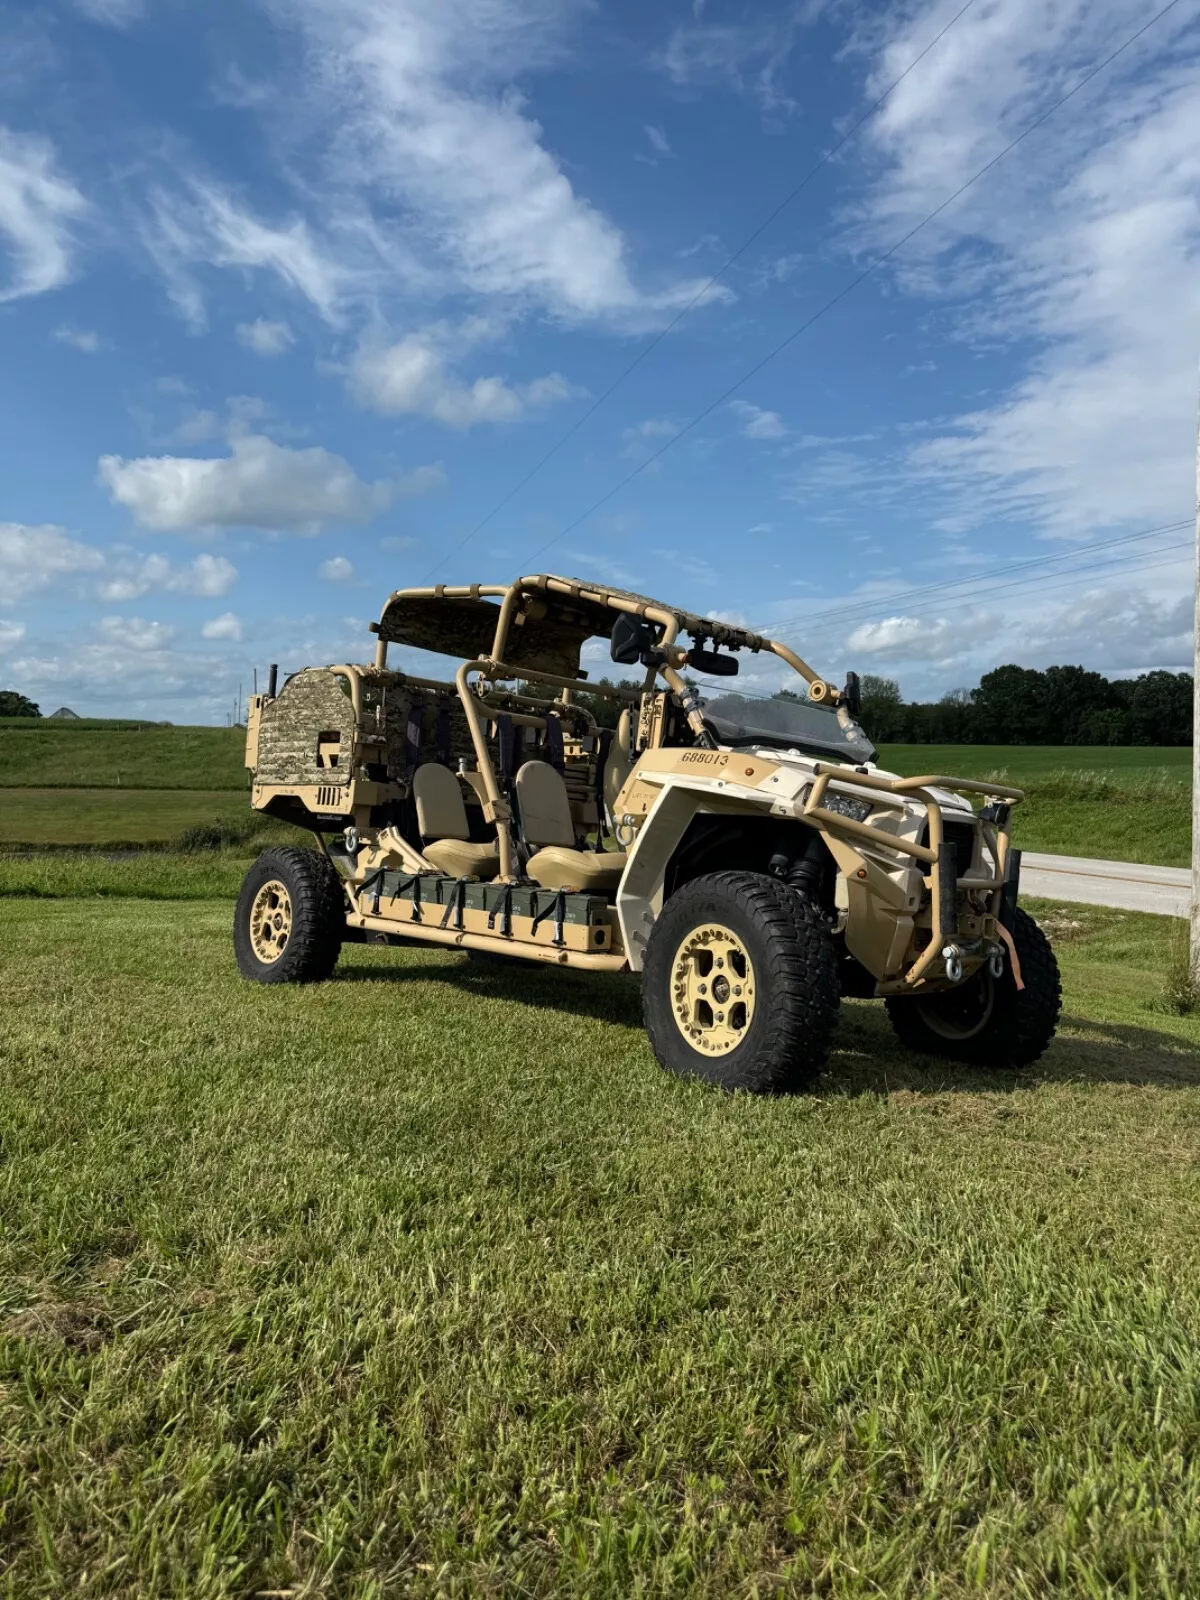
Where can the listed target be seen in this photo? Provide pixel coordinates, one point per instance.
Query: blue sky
(292, 296)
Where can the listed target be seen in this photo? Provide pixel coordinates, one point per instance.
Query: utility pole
(1195, 936)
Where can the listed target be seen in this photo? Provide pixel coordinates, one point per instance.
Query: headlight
(845, 806)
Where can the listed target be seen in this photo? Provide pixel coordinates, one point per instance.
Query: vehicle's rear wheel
(989, 1022)
(290, 918)
(740, 986)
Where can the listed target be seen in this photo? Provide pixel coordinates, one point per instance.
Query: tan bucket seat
(546, 822)
(618, 766)
(442, 819)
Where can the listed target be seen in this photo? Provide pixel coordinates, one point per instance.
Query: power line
(877, 604)
(849, 288)
(701, 293)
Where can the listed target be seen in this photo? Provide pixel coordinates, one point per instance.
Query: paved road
(1129, 887)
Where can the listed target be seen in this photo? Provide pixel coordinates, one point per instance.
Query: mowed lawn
(427, 1281)
(116, 817)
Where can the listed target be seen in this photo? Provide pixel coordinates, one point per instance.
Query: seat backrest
(616, 772)
(544, 806)
(441, 809)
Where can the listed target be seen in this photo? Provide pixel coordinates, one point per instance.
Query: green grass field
(427, 1281)
(116, 817)
(42, 753)
(1031, 763)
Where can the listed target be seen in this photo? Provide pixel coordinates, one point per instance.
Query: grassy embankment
(427, 1281)
(121, 784)
(118, 784)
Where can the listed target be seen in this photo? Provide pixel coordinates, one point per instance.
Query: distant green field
(126, 783)
(110, 816)
(1027, 763)
(46, 754)
(1115, 804)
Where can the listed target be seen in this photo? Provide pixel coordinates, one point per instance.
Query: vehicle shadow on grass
(600, 997)
(867, 1058)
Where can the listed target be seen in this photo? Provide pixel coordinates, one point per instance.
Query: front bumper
(964, 904)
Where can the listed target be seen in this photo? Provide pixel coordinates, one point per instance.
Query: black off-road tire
(317, 917)
(1012, 1027)
(788, 1036)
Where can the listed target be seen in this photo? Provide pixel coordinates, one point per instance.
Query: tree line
(1022, 705)
(13, 704)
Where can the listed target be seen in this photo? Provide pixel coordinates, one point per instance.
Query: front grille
(329, 798)
(960, 834)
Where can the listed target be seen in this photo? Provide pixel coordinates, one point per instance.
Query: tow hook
(996, 961)
(953, 959)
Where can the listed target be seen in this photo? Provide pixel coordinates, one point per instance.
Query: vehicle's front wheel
(989, 1022)
(740, 986)
(290, 918)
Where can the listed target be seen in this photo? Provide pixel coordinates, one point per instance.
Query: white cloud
(196, 427)
(112, 13)
(11, 633)
(37, 206)
(934, 640)
(658, 140)
(1115, 624)
(226, 626)
(420, 118)
(259, 485)
(413, 377)
(207, 576)
(133, 633)
(757, 423)
(1084, 246)
(78, 338)
(200, 224)
(337, 570)
(747, 57)
(36, 558)
(265, 338)
(640, 438)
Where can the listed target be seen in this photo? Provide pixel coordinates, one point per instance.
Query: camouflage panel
(399, 702)
(306, 736)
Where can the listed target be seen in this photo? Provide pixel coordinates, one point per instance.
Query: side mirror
(852, 695)
(631, 638)
(713, 663)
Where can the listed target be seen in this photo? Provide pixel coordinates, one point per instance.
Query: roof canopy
(552, 620)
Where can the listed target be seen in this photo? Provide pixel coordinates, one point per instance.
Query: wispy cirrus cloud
(38, 206)
(422, 114)
(1084, 246)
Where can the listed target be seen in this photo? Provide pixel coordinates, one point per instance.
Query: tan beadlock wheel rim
(270, 921)
(712, 989)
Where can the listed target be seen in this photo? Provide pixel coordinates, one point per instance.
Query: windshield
(786, 724)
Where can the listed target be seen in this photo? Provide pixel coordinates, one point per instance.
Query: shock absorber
(806, 871)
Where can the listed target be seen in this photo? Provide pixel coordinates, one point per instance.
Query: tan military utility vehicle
(746, 857)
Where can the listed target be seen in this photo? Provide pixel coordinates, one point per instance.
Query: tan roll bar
(931, 854)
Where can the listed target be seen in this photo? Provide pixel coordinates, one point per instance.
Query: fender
(639, 898)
